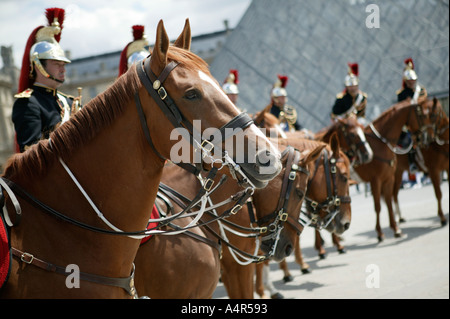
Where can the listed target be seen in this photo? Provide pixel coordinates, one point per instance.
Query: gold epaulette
(340, 95)
(24, 94)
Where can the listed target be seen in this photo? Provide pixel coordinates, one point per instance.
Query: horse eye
(192, 95)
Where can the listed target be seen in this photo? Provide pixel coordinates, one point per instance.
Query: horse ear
(184, 40)
(311, 156)
(159, 53)
(334, 143)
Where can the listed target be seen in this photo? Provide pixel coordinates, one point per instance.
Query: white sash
(63, 100)
(415, 97)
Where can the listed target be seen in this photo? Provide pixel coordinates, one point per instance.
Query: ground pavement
(414, 266)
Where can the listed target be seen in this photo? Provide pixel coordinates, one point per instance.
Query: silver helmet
(47, 47)
(408, 72)
(351, 79)
(279, 88)
(231, 82)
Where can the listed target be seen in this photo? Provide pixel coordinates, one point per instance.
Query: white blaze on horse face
(252, 128)
(362, 136)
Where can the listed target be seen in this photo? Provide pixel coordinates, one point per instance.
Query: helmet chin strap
(41, 69)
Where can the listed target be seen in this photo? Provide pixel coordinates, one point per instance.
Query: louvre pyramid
(311, 41)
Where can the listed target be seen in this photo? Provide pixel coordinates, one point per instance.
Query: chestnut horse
(160, 268)
(382, 135)
(354, 144)
(327, 199)
(98, 169)
(435, 151)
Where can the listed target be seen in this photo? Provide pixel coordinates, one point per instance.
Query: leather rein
(172, 112)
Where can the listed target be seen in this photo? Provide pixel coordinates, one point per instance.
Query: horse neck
(121, 178)
(127, 167)
(325, 135)
(391, 122)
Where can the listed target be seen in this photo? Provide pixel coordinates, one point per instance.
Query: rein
(396, 150)
(332, 204)
(171, 111)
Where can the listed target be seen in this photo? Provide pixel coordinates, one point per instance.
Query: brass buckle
(235, 209)
(27, 255)
(314, 204)
(162, 93)
(208, 185)
(205, 144)
(263, 230)
(292, 176)
(337, 201)
(283, 216)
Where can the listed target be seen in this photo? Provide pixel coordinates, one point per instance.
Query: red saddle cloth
(5, 252)
(154, 215)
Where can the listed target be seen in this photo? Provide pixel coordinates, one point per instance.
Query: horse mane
(301, 143)
(389, 111)
(97, 114)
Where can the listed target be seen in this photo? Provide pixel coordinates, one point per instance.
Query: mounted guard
(287, 114)
(411, 89)
(40, 107)
(352, 100)
(134, 51)
(230, 86)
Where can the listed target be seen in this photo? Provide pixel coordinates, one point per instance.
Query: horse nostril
(346, 226)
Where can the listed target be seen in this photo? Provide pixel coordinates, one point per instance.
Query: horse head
(328, 200)
(438, 120)
(189, 93)
(351, 138)
(274, 211)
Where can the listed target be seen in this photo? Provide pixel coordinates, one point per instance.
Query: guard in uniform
(352, 100)
(134, 51)
(411, 89)
(230, 86)
(287, 114)
(40, 107)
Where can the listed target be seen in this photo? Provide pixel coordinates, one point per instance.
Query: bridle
(277, 218)
(172, 112)
(332, 204)
(394, 148)
(154, 86)
(353, 147)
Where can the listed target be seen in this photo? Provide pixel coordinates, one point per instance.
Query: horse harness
(396, 150)
(280, 215)
(332, 203)
(171, 111)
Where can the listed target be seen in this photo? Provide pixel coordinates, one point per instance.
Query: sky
(94, 27)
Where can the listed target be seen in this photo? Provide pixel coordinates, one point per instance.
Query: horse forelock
(97, 114)
(187, 59)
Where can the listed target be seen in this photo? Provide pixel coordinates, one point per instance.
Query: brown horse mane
(302, 142)
(97, 114)
(386, 114)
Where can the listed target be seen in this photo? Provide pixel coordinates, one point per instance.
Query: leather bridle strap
(154, 87)
(125, 283)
